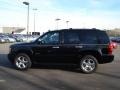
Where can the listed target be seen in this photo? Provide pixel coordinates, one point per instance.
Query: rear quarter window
(103, 37)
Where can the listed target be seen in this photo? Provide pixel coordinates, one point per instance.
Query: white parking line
(2, 81)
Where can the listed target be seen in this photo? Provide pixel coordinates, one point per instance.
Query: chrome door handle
(55, 47)
(78, 46)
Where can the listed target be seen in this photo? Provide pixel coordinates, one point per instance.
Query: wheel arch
(25, 51)
(96, 54)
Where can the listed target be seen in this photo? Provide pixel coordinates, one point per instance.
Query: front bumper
(11, 57)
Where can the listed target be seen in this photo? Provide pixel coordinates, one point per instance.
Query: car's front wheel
(22, 61)
(88, 64)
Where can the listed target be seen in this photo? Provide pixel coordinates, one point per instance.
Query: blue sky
(103, 14)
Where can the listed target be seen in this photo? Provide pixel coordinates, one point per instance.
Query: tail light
(110, 48)
(114, 45)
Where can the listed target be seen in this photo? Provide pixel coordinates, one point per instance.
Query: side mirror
(39, 41)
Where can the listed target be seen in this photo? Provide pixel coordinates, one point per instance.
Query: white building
(11, 29)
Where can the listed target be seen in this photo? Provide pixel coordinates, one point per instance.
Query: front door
(47, 47)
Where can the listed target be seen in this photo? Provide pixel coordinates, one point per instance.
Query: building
(11, 29)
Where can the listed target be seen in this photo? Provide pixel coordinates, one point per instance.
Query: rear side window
(88, 37)
(89, 40)
(71, 38)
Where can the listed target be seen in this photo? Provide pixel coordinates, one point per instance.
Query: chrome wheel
(22, 62)
(88, 64)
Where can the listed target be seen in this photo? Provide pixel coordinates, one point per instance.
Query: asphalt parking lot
(107, 77)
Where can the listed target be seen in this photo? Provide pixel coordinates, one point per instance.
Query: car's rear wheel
(88, 64)
(22, 61)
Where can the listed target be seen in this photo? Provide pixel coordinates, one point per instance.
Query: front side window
(50, 38)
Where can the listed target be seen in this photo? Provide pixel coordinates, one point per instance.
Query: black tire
(88, 64)
(22, 61)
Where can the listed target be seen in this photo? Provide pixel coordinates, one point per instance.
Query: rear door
(70, 46)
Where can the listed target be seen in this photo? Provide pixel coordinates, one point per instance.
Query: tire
(22, 61)
(88, 64)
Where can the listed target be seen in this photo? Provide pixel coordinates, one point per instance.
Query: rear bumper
(106, 59)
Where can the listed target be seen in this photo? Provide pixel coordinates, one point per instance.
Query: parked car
(2, 40)
(10, 39)
(115, 39)
(7, 38)
(17, 37)
(85, 48)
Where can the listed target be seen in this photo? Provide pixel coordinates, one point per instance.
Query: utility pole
(27, 3)
(67, 24)
(35, 9)
(57, 20)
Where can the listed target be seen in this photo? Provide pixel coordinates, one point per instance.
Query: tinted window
(50, 38)
(88, 37)
(71, 38)
(103, 37)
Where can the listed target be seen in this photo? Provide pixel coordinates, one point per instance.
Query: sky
(101, 14)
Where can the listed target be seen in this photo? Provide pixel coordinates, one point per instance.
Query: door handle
(55, 47)
(78, 46)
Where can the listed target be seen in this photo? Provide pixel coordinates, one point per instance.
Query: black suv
(85, 48)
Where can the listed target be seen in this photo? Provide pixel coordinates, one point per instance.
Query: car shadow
(64, 67)
(108, 75)
(4, 62)
(74, 69)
